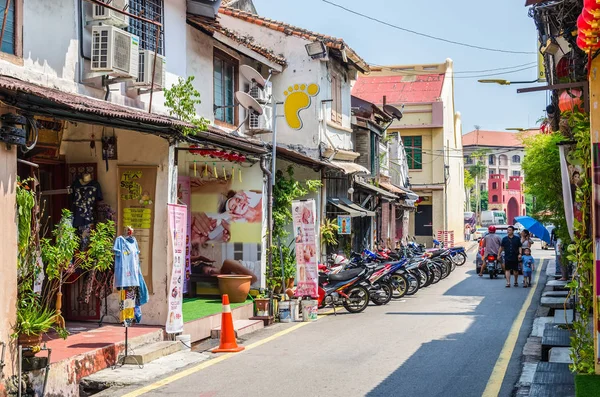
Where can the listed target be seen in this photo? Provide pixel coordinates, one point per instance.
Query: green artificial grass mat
(195, 308)
(587, 385)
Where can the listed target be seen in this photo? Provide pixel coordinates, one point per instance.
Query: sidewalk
(545, 355)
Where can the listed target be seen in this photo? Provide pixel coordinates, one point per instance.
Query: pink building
(506, 196)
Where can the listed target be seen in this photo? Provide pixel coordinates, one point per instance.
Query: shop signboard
(305, 234)
(184, 197)
(344, 224)
(226, 221)
(137, 189)
(177, 242)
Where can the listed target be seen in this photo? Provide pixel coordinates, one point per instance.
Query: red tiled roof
(399, 88)
(290, 30)
(495, 138)
(212, 26)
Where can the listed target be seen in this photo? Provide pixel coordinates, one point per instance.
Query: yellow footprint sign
(297, 98)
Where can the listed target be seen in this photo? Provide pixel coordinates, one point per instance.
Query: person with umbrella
(511, 246)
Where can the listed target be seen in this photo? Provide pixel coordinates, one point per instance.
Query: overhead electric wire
(494, 74)
(399, 69)
(425, 34)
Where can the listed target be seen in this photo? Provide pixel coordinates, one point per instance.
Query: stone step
(539, 324)
(145, 354)
(559, 316)
(551, 390)
(554, 337)
(560, 355)
(241, 327)
(553, 378)
(556, 303)
(544, 366)
(557, 285)
(556, 294)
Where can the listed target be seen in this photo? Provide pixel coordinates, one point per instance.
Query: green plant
(99, 255)
(181, 100)
(33, 320)
(57, 255)
(581, 251)
(329, 229)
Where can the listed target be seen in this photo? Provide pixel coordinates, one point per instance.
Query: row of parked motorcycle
(382, 275)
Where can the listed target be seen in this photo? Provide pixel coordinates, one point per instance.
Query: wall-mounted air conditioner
(115, 52)
(261, 95)
(146, 65)
(260, 123)
(111, 17)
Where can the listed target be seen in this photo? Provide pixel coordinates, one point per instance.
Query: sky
(500, 25)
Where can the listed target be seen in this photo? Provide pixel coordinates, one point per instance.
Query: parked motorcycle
(346, 287)
(492, 266)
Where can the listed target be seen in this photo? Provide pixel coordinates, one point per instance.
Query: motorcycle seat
(345, 275)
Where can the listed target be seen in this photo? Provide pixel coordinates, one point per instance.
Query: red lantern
(587, 44)
(563, 68)
(592, 6)
(567, 101)
(590, 18)
(586, 28)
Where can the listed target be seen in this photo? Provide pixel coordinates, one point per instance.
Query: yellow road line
(211, 362)
(494, 384)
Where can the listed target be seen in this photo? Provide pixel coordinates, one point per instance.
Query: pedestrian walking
(528, 269)
(511, 246)
(526, 241)
(467, 232)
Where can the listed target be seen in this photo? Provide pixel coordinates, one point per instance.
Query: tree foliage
(541, 167)
(469, 180)
(181, 99)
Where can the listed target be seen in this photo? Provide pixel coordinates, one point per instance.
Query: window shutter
(339, 99)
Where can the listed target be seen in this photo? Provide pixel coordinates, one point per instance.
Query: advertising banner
(571, 178)
(305, 234)
(344, 224)
(177, 236)
(184, 197)
(596, 215)
(226, 222)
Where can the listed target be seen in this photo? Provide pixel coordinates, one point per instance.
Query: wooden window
(154, 11)
(516, 159)
(224, 87)
(12, 39)
(413, 145)
(336, 96)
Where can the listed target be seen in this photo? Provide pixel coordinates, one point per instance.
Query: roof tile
(399, 88)
(495, 138)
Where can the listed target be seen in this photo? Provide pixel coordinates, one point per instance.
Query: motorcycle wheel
(382, 295)
(445, 270)
(437, 274)
(460, 258)
(413, 284)
(402, 286)
(358, 299)
(491, 275)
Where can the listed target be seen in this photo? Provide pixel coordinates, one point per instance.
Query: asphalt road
(443, 341)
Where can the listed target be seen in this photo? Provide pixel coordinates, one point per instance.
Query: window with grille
(516, 173)
(154, 11)
(413, 145)
(516, 159)
(491, 159)
(224, 87)
(336, 96)
(468, 160)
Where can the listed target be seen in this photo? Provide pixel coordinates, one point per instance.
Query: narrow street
(444, 341)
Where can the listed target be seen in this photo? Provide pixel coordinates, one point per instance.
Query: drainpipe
(265, 170)
(324, 128)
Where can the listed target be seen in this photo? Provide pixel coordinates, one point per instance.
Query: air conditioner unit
(111, 17)
(146, 65)
(260, 123)
(261, 95)
(115, 52)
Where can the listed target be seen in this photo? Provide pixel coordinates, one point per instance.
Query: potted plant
(33, 321)
(262, 304)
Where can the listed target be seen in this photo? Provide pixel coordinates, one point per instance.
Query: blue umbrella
(534, 227)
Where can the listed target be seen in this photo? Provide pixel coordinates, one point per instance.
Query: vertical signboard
(177, 241)
(136, 193)
(305, 234)
(184, 196)
(344, 224)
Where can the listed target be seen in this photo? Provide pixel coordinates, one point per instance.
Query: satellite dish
(252, 75)
(248, 102)
(393, 111)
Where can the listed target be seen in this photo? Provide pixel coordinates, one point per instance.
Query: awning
(351, 211)
(302, 159)
(355, 206)
(376, 189)
(349, 167)
(70, 106)
(399, 190)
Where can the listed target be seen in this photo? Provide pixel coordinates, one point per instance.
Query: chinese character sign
(177, 237)
(344, 224)
(305, 234)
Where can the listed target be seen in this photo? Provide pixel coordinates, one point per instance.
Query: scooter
(492, 266)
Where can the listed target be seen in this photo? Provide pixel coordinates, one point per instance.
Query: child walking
(527, 267)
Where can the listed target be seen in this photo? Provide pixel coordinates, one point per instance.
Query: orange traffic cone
(228, 343)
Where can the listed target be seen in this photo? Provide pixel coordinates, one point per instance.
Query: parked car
(479, 233)
(502, 231)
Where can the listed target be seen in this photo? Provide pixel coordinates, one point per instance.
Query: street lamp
(506, 82)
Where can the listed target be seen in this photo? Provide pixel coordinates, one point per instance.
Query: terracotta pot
(289, 283)
(262, 306)
(234, 285)
(32, 341)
